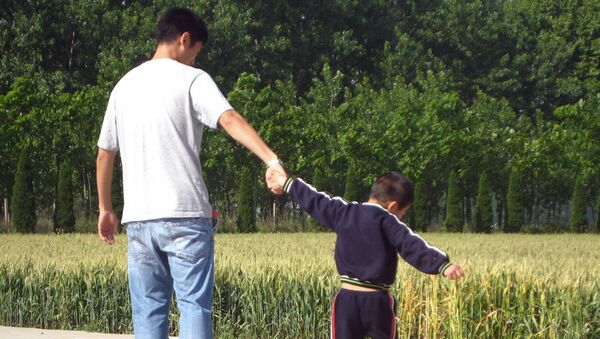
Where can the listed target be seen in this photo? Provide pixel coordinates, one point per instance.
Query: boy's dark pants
(357, 314)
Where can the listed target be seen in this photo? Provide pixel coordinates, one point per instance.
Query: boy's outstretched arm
(417, 252)
(319, 205)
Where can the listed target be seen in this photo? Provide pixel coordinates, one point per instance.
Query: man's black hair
(393, 186)
(176, 21)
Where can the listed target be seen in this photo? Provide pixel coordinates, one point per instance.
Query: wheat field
(280, 286)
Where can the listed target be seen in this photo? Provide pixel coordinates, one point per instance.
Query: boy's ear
(392, 206)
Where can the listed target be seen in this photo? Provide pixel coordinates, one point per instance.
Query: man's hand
(453, 272)
(276, 177)
(108, 226)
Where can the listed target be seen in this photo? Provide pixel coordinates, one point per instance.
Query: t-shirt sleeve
(108, 139)
(208, 101)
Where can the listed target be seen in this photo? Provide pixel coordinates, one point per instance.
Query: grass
(280, 286)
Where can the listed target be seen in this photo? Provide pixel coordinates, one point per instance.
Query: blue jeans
(166, 255)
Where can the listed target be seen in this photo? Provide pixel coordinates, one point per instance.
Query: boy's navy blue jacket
(368, 236)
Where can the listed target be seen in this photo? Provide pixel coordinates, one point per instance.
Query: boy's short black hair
(176, 21)
(393, 186)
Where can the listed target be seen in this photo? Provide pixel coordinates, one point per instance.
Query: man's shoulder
(162, 70)
(130, 76)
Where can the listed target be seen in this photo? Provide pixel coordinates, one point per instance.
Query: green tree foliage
(117, 188)
(411, 86)
(578, 213)
(351, 190)
(65, 216)
(454, 221)
(419, 208)
(515, 212)
(246, 210)
(483, 206)
(23, 202)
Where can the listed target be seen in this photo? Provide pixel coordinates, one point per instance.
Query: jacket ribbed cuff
(288, 184)
(444, 267)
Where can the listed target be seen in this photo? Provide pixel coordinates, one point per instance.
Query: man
(155, 117)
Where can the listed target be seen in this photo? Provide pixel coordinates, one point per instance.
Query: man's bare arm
(242, 132)
(107, 220)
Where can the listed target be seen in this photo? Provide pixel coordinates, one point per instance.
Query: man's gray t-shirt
(155, 118)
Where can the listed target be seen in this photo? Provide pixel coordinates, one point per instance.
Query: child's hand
(453, 272)
(275, 180)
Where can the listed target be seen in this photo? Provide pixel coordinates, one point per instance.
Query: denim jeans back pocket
(136, 250)
(192, 238)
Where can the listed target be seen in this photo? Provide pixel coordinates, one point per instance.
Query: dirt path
(34, 333)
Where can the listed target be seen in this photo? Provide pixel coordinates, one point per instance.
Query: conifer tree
(23, 202)
(65, 216)
(598, 214)
(483, 206)
(453, 221)
(579, 216)
(514, 201)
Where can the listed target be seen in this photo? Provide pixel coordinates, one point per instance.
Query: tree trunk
(500, 213)
(6, 215)
(72, 51)
(467, 227)
(89, 196)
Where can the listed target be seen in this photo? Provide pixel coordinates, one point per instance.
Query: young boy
(369, 236)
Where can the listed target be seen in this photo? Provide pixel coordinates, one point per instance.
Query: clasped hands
(275, 177)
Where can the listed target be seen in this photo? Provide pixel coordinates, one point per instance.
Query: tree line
(491, 108)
